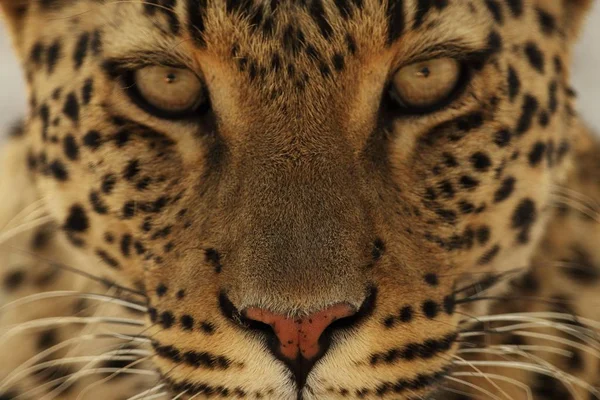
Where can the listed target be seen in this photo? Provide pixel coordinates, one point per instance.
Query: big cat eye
(168, 92)
(425, 85)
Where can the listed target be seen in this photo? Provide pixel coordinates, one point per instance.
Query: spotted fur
(140, 238)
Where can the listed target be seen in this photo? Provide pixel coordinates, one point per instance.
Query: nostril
(299, 337)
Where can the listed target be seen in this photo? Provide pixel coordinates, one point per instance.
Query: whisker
(76, 271)
(113, 375)
(524, 366)
(473, 386)
(503, 378)
(580, 332)
(179, 395)
(550, 338)
(27, 226)
(482, 374)
(58, 321)
(71, 293)
(146, 392)
(18, 372)
(76, 360)
(468, 395)
(503, 348)
(81, 374)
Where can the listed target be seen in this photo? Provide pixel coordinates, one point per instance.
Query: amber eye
(425, 85)
(169, 91)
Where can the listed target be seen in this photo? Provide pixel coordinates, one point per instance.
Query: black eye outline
(397, 107)
(128, 79)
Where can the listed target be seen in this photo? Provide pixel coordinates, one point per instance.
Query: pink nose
(300, 336)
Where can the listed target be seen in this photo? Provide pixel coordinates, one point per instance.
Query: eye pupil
(171, 77)
(424, 72)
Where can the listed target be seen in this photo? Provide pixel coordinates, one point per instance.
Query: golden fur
(300, 190)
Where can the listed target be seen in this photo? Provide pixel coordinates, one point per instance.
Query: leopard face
(301, 224)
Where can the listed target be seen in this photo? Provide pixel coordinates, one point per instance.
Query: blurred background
(586, 79)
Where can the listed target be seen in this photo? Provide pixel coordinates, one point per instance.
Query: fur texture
(300, 188)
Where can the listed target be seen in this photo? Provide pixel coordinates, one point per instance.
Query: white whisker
(81, 374)
(473, 386)
(523, 366)
(147, 392)
(18, 372)
(503, 378)
(57, 321)
(71, 293)
(477, 370)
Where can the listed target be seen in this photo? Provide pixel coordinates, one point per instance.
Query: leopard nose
(298, 338)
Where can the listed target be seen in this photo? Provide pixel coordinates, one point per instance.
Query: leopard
(299, 200)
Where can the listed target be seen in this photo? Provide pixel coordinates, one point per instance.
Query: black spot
(207, 328)
(447, 189)
(502, 138)
(87, 91)
(70, 146)
(481, 161)
(483, 234)
(535, 56)
(580, 267)
(126, 244)
(319, 15)
(92, 140)
(97, 203)
(36, 53)
(396, 20)
(537, 153)
(547, 22)
(77, 220)
(489, 255)
(468, 182)
(187, 322)
(516, 7)
(47, 339)
(431, 309)
(96, 44)
(58, 170)
(71, 107)
(108, 259)
(45, 117)
(432, 279)
(13, 280)
(523, 218)
(406, 314)
(506, 188)
(466, 207)
(196, 24)
(514, 83)
(122, 137)
(378, 249)
(345, 8)
(552, 97)
(528, 110)
(108, 183)
(167, 319)
(81, 49)
(496, 10)
(128, 210)
(338, 62)
(161, 290)
(212, 256)
(131, 170)
(351, 43)
(53, 55)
